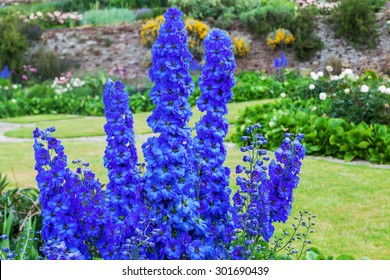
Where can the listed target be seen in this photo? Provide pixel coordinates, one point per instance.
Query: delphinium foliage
(179, 206)
(213, 190)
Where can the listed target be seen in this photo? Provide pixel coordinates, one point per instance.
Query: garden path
(4, 127)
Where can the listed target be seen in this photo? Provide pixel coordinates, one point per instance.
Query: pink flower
(24, 77)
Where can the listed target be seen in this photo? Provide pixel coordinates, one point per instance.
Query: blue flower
(5, 73)
(170, 174)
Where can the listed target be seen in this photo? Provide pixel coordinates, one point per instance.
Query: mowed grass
(352, 202)
(70, 126)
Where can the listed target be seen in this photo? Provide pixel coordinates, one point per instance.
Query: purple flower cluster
(72, 203)
(213, 191)
(261, 199)
(170, 179)
(180, 207)
(284, 176)
(123, 192)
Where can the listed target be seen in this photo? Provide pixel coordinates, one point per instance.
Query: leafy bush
(19, 221)
(198, 9)
(269, 16)
(323, 135)
(144, 13)
(48, 63)
(307, 43)
(356, 22)
(225, 20)
(79, 5)
(13, 44)
(112, 16)
(377, 4)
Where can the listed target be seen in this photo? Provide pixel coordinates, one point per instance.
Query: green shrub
(268, 17)
(306, 43)
(225, 20)
(111, 16)
(377, 4)
(323, 135)
(48, 63)
(79, 5)
(13, 44)
(356, 22)
(198, 9)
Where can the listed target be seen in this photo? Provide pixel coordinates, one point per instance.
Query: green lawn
(68, 126)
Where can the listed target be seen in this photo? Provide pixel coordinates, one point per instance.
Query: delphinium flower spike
(59, 224)
(169, 179)
(213, 192)
(251, 201)
(124, 189)
(284, 176)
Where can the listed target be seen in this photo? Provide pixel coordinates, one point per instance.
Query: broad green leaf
(345, 257)
(363, 145)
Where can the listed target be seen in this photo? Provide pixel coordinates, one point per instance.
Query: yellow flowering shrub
(241, 47)
(280, 38)
(149, 31)
(196, 32)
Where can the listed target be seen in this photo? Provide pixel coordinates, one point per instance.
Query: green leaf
(345, 257)
(311, 256)
(363, 145)
(333, 140)
(349, 156)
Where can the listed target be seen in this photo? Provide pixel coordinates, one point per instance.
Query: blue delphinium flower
(169, 179)
(264, 199)
(284, 176)
(251, 201)
(59, 222)
(280, 62)
(5, 73)
(213, 191)
(124, 189)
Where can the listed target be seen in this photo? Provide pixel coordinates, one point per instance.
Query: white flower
(329, 68)
(382, 89)
(39, 14)
(387, 91)
(13, 100)
(14, 86)
(311, 87)
(314, 108)
(335, 78)
(283, 95)
(347, 90)
(6, 88)
(364, 88)
(320, 74)
(322, 96)
(314, 76)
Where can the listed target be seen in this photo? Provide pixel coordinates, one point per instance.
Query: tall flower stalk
(170, 179)
(213, 191)
(124, 201)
